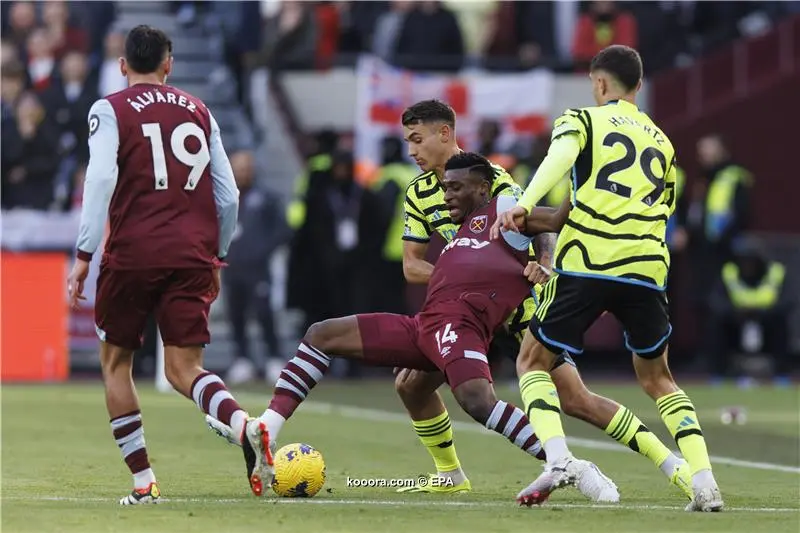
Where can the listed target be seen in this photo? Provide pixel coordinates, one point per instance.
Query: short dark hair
(473, 162)
(145, 48)
(622, 62)
(428, 111)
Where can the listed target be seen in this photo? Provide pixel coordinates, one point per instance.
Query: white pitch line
(361, 413)
(402, 503)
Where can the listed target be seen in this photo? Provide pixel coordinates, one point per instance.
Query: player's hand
(75, 281)
(216, 283)
(537, 273)
(511, 220)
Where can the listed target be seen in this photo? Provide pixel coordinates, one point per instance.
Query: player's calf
(126, 422)
(478, 399)
(301, 374)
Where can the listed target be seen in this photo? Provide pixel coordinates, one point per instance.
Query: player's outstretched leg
(681, 419)
(544, 409)
(431, 421)
(478, 399)
(616, 420)
(184, 370)
(126, 422)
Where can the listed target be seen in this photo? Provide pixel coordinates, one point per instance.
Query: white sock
(142, 480)
(556, 450)
(238, 420)
(274, 423)
(704, 479)
(669, 464)
(457, 476)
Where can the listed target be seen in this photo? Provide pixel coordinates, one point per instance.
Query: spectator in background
(67, 102)
(12, 83)
(605, 23)
(721, 205)
(290, 38)
(329, 30)
(717, 215)
(110, 79)
(22, 21)
(750, 310)
(335, 247)
(359, 24)
(394, 177)
(521, 35)
(8, 52)
(388, 28)
(41, 59)
(430, 39)
(248, 286)
(28, 154)
(64, 36)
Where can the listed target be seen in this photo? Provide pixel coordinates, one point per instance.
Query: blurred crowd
(447, 35)
(57, 59)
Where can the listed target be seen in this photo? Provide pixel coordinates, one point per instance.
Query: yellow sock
(436, 435)
(678, 414)
(540, 398)
(627, 429)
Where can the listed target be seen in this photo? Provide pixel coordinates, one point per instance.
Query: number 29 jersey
(162, 213)
(622, 194)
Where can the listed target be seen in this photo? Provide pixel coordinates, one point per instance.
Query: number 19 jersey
(622, 194)
(162, 213)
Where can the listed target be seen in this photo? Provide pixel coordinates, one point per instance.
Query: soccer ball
(299, 471)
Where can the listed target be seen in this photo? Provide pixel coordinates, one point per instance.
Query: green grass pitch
(61, 471)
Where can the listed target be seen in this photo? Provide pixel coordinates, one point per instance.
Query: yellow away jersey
(426, 212)
(622, 192)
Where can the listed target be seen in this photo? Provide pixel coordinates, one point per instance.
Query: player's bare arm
(545, 219)
(561, 157)
(415, 268)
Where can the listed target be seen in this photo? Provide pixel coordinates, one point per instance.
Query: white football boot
(585, 476)
(707, 500)
(222, 430)
(258, 456)
(592, 483)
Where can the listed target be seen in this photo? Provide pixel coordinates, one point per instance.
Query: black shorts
(570, 305)
(505, 344)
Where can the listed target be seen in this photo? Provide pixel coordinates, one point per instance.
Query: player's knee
(319, 335)
(173, 371)
(404, 383)
(476, 398)
(658, 385)
(114, 359)
(411, 384)
(654, 377)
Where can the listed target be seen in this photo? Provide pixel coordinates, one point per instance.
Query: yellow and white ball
(299, 471)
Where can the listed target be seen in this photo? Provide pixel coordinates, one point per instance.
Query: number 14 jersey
(169, 165)
(622, 193)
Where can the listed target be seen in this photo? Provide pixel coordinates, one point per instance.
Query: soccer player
(429, 129)
(473, 288)
(159, 172)
(611, 256)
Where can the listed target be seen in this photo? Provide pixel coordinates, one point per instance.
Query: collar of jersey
(621, 102)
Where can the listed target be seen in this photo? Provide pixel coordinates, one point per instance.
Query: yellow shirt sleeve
(560, 158)
(416, 227)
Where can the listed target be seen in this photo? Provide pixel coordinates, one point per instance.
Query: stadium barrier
(34, 318)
